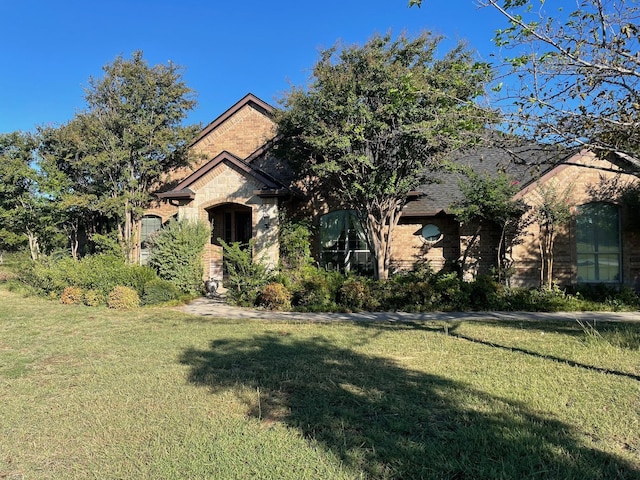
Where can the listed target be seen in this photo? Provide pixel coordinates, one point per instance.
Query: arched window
(150, 224)
(343, 243)
(598, 243)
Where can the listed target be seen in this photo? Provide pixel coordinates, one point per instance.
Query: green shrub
(176, 254)
(99, 272)
(485, 293)
(107, 245)
(246, 276)
(141, 275)
(123, 298)
(317, 289)
(353, 293)
(159, 291)
(93, 272)
(295, 244)
(93, 298)
(71, 296)
(451, 292)
(275, 296)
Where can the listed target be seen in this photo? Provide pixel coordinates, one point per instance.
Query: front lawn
(154, 393)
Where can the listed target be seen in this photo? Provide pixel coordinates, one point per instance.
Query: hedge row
(317, 290)
(98, 280)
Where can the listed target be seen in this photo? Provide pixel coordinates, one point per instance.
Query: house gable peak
(248, 100)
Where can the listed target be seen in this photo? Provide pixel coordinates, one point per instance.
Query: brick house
(240, 190)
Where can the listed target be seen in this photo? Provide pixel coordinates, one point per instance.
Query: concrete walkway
(217, 308)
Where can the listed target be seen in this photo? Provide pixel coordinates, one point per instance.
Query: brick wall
(241, 134)
(590, 180)
(409, 248)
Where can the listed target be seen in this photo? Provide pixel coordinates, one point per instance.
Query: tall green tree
(374, 121)
(26, 211)
(129, 136)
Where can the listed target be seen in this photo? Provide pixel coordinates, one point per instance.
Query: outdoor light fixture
(266, 221)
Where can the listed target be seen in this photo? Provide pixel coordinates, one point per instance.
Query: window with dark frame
(598, 243)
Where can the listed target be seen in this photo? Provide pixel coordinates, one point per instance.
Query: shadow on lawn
(390, 422)
(553, 358)
(451, 328)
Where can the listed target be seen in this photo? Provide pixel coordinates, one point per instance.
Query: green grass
(154, 393)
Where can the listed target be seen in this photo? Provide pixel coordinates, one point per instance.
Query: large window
(343, 243)
(150, 224)
(598, 243)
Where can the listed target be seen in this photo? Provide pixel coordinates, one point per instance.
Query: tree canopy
(489, 200)
(375, 120)
(116, 152)
(26, 211)
(574, 73)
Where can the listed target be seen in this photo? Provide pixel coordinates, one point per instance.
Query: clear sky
(50, 48)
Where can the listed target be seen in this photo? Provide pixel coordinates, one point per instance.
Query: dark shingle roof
(524, 163)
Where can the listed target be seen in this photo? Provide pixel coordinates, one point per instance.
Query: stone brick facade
(230, 186)
(229, 181)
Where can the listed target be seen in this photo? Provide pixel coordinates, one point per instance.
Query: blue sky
(49, 49)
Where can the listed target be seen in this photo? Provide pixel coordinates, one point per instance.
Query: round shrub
(275, 296)
(353, 293)
(71, 296)
(123, 298)
(159, 291)
(7, 276)
(93, 298)
(317, 289)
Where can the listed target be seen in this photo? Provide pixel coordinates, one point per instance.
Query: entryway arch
(230, 222)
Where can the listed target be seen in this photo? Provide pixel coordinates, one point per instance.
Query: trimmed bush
(159, 291)
(353, 294)
(71, 296)
(275, 296)
(93, 298)
(123, 298)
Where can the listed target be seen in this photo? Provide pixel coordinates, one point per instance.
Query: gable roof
(248, 99)
(182, 190)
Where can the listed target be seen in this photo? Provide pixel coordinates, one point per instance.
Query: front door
(231, 223)
(236, 226)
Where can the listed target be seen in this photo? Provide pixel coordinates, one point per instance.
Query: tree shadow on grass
(450, 329)
(385, 421)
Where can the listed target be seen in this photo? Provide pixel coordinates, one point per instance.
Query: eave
(182, 194)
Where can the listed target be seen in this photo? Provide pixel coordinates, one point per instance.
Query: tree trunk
(34, 247)
(134, 252)
(380, 233)
(74, 244)
(547, 239)
(467, 250)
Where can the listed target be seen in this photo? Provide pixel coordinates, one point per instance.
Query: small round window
(431, 233)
